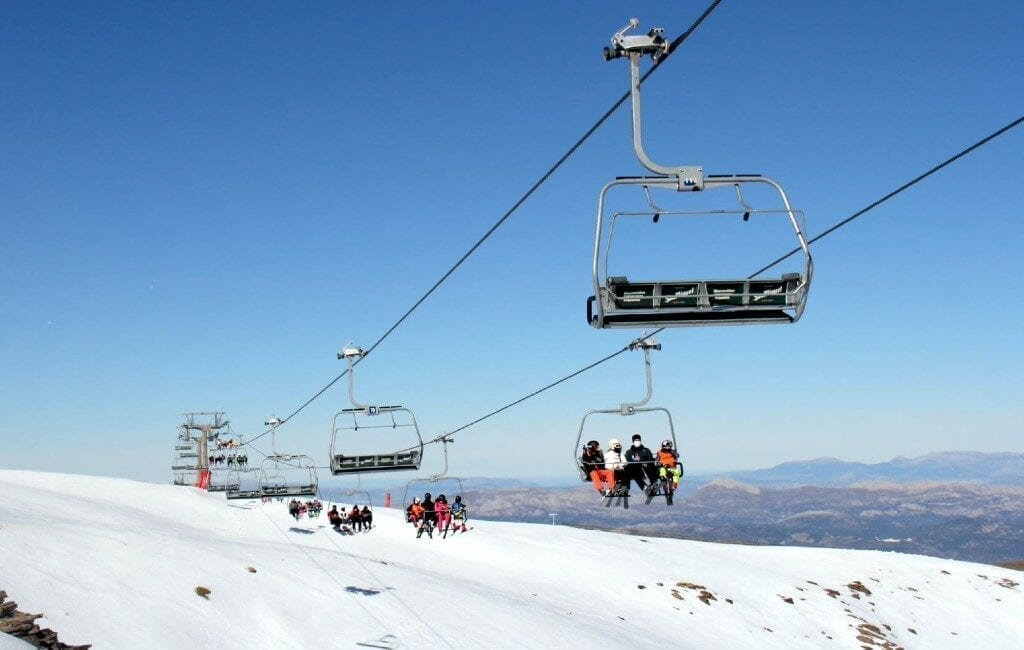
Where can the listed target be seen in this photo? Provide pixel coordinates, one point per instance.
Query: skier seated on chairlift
(641, 465)
(367, 518)
(668, 463)
(459, 514)
(414, 513)
(593, 464)
(333, 517)
(429, 521)
(355, 518)
(293, 509)
(613, 461)
(443, 512)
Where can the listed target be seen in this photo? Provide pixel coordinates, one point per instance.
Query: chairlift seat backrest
(341, 464)
(681, 303)
(239, 493)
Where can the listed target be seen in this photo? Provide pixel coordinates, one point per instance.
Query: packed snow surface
(117, 563)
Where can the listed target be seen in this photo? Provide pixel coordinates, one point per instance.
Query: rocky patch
(23, 626)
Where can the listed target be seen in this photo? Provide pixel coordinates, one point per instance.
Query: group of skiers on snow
(428, 514)
(612, 470)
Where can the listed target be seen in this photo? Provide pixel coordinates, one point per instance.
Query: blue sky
(203, 203)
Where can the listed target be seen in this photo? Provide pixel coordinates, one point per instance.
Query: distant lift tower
(206, 426)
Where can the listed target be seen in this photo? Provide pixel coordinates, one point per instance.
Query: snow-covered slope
(116, 563)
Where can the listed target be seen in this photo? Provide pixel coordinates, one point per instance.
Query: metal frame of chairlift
(620, 303)
(629, 408)
(235, 472)
(404, 459)
(249, 493)
(225, 485)
(347, 492)
(283, 488)
(435, 478)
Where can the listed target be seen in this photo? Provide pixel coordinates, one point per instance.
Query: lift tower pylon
(204, 424)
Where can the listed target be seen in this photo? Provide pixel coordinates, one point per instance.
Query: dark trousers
(636, 473)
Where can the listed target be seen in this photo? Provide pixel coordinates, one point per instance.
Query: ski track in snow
(116, 563)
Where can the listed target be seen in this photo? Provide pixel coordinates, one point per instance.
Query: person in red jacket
(444, 515)
(355, 518)
(334, 517)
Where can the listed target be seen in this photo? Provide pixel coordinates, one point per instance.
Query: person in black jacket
(429, 521)
(641, 464)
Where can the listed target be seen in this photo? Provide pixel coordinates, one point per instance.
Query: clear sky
(201, 203)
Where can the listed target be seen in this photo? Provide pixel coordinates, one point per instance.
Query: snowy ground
(116, 563)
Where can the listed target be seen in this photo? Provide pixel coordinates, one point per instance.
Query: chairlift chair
(251, 490)
(345, 459)
(223, 483)
(185, 462)
(429, 482)
(620, 302)
(626, 410)
(185, 478)
(274, 483)
(361, 497)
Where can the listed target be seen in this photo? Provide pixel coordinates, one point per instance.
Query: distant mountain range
(956, 466)
(961, 505)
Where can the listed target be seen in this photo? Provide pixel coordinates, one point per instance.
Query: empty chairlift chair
(245, 484)
(622, 302)
(368, 438)
(286, 475)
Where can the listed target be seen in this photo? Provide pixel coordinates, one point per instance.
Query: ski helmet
(666, 444)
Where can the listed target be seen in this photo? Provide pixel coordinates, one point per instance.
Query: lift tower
(204, 424)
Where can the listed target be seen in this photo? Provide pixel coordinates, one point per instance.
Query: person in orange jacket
(668, 463)
(414, 513)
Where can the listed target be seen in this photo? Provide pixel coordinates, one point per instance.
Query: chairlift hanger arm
(645, 343)
(635, 47)
(353, 355)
